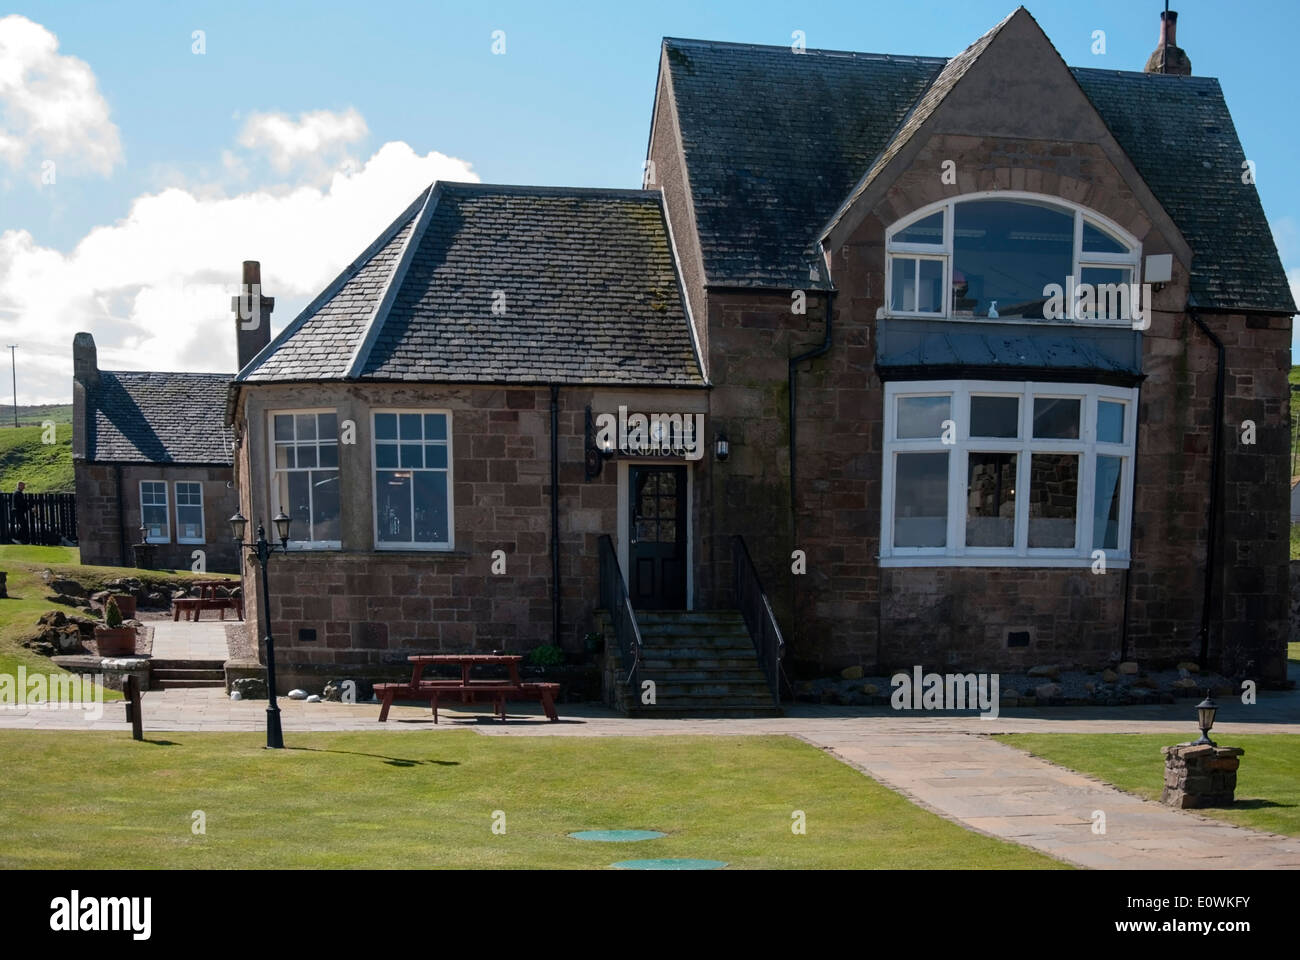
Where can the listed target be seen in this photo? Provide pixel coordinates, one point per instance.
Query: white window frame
(272, 472)
(412, 545)
(176, 491)
(1081, 260)
(1088, 447)
(167, 533)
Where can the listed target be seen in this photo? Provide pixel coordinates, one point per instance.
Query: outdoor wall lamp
(722, 449)
(1205, 711)
(261, 550)
(597, 451)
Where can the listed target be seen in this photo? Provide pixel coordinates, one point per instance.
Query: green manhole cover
(617, 836)
(669, 863)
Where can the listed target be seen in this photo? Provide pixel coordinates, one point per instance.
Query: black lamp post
(261, 550)
(1205, 711)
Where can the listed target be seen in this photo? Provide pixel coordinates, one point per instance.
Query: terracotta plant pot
(125, 604)
(115, 642)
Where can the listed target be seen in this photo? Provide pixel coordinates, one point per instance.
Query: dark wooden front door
(657, 537)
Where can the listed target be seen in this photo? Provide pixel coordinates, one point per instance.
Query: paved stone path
(943, 762)
(188, 640)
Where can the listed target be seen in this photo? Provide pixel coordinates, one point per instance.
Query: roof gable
(771, 160)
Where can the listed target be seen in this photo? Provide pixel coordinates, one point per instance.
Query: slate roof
(158, 418)
(775, 142)
(587, 279)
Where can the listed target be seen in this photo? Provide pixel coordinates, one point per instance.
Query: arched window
(1005, 255)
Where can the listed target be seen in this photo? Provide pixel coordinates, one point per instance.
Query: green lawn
(1268, 783)
(34, 416)
(28, 593)
(419, 800)
(44, 467)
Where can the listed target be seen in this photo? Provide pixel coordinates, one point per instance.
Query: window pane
(1105, 510)
(903, 284)
(284, 456)
(329, 455)
(995, 417)
(385, 426)
(327, 425)
(922, 416)
(393, 505)
(306, 456)
(1053, 494)
(1107, 295)
(1096, 240)
(189, 494)
(930, 287)
(431, 507)
(386, 455)
(435, 426)
(283, 426)
(1110, 421)
(921, 500)
(296, 493)
(325, 504)
(305, 424)
(435, 455)
(412, 456)
(991, 500)
(926, 230)
(1007, 251)
(1056, 418)
(409, 426)
(189, 523)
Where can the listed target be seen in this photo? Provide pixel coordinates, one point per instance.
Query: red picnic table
(208, 600)
(418, 688)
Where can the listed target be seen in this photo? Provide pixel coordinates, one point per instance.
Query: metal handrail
(759, 618)
(615, 600)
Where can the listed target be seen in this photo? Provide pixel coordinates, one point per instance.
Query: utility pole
(13, 364)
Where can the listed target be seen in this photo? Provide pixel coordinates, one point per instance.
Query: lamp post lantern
(1205, 711)
(261, 550)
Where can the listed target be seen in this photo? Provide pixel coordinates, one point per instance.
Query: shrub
(547, 656)
(112, 615)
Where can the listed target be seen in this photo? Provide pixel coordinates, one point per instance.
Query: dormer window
(998, 256)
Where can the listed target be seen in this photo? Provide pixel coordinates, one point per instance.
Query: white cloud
(50, 105)
(314, 137)
(155, 287)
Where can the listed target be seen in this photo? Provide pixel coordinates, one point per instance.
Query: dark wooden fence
(51, 518)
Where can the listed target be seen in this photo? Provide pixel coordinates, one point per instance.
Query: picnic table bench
(207, 600)
(468, 690)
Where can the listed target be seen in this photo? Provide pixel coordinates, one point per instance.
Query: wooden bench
(468, 692)
(188, 605)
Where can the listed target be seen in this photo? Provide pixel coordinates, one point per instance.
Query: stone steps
(186, 674)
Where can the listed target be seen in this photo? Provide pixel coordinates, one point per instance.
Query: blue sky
(568, 103)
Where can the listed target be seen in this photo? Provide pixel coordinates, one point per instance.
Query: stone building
(975, 343)
(151, 451)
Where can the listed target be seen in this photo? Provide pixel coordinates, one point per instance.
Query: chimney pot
(1168, 57)
(252, 314)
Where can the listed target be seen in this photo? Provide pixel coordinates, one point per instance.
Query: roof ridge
(170, 373)
(384, 305)
(823, 51)
(334, 286)
(453, 186)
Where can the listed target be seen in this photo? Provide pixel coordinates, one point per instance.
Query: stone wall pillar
(1200, 775)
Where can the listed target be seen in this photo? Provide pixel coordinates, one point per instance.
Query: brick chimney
(252, 314)
(1168, 57)
(85, 380)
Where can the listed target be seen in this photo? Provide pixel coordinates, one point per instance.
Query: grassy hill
(34, 416)
(45, 468)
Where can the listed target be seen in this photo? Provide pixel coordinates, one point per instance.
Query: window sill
(1112, 563)
(1023, 321)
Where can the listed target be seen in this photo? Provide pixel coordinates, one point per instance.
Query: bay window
(412, 464)
(1006, 473)
(995, 256)
(305, 475)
